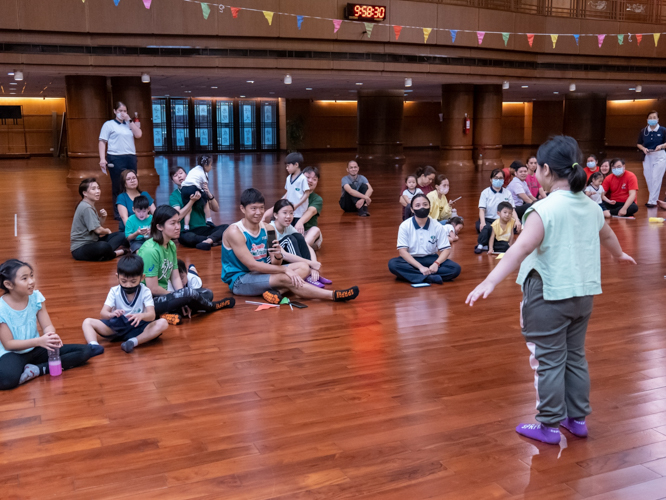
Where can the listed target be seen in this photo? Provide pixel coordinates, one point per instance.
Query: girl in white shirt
(595, 190)
(195, 181)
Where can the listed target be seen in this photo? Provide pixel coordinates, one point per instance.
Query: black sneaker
(363, 212)
(210, 223)
(650, 205)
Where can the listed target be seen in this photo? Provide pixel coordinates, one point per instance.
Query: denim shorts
(251, 284)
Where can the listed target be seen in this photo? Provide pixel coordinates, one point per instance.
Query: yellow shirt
(439, 207)
(503, 234)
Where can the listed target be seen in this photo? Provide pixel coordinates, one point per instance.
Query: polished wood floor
(402, 394)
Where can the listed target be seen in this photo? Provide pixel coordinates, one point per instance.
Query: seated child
(502, 236)
(453, 228)
(24, 354)
(195, 181)
(188, 277)
(595, 190)
(128, 315)
(407, 195)
(137, 227)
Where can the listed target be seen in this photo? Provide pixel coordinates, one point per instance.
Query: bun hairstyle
(426, 171)
(563, 155)
(416, 197)
(203, 160)
(8, 270)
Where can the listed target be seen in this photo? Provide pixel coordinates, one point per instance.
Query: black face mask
(422, 213)
(129, 290)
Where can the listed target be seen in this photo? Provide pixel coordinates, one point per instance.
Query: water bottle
(55, 366)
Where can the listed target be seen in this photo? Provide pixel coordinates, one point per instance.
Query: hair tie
(575, 165)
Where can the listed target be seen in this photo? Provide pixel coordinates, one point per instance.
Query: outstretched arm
(609, 241)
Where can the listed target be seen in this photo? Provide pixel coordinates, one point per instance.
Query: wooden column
(137, 97)
(86, 100)
(487, 126)
(585, 121)
(456, 145)
(379, 116)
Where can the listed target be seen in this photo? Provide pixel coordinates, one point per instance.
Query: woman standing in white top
(116, 148)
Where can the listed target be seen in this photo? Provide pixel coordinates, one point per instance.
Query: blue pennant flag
(576, 37)
(299, 20)
(453, 35)
(116, 2)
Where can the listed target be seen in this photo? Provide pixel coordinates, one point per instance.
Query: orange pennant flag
(234, 11)
(397, 30)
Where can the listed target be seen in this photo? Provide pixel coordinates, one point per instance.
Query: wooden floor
(402, 394)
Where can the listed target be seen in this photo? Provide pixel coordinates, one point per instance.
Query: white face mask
(119, 116)
(444, 190)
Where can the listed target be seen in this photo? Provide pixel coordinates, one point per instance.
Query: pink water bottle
(55, 366)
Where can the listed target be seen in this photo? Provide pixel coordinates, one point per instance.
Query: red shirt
(590, 172)
(507, 177)
(617, 188)
(533, 184)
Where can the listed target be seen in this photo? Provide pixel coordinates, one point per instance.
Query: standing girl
(23, 353)
(560, 272)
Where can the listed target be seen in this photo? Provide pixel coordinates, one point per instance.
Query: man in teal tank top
(251, 266)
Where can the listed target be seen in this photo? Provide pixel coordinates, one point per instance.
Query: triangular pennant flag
(269, 17)
(453, 35)
(620, 39)
(397, 30)
(116, 2)
(336, 25)
(554, 39)
(368, 28)
(639, 37)
(656, 38)
(530, 39)
(600, 39)
(480, 35)
(505, 37)
(426, 34)
(146, 3)
(576, 38)
(234, 11)
(205, 9)
(299, 21)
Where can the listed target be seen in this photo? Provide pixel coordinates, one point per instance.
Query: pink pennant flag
(147, 3)
(639, 37)
(234, 11)
(600, 38)
(336, 25)
(397, 30)
(530, 39)
(480, 35)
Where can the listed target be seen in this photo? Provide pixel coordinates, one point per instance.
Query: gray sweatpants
(555, 334)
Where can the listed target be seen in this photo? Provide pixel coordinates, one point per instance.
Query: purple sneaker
(324, 280)
(540, 432)
(575, 426)
(313, 282)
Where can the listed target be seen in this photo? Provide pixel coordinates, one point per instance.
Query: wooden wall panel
(38, 125)
(421, 125)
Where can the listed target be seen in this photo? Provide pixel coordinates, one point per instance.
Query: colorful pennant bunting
(453, 35)
(426, 34)
(480, 35)
(505, 37)
(234, 11)
(397, 30)
(146, 3)
(269, 17)
(639, 37)
(554, 39)
(299, 21)
(656, 38)
(116, 2)
(205, 9)
(600, 39)
(336, 25)
(368, 28)
(620, 39)
(530, 39)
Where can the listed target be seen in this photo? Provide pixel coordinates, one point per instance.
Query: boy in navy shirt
(651, 141)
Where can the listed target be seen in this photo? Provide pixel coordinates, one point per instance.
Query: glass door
(247, 117)
(203, 125)
(160, 130)
(268, 112)
(180, 124)
(225, 125)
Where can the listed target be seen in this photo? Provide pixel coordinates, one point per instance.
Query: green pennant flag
(505, 37)
(206, 10)
(620, 39)
(368, 28)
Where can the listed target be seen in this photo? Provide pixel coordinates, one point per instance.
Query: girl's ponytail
(562, 155)
(577, 178)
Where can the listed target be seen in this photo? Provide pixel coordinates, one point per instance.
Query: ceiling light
(505, 85)
(555, 92)
(308, 88)
(250, 81)
(639, 88)
(524, 86)
(11, 73)
(13, 83)
(360, 83)
(213, 87)
(287, 80)
(408, 82)
(272, 93)
(188, 91)
(409, 90)
(243, 97)
(572, 87)
(145, 78)
(18, 76)
(632, 88)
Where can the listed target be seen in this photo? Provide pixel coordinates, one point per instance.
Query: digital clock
(363, 12)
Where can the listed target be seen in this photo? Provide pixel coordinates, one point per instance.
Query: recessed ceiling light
(409, 91)
(250, 81)
(555, 92)
(242, 96)
(524, 86)
(11, 73)
(308, 88)
(13, 83)
(213, 87)
(632, 88)
(272, 93)
(359, 83)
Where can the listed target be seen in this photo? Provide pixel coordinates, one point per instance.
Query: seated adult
(488, 201)
(129, 189)
(621, 189)
(250, 267)
(536, 190)
(522, 197)
(591, 165)
(200, 235)
(424, 248)
(89, 240)
(440, 208)
(161, 266)
(510, 172)
(356, 191)
(307, 224)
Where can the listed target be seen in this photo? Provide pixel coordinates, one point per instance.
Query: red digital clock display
(366, 12)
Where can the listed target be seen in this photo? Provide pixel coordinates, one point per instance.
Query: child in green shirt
(137, 227)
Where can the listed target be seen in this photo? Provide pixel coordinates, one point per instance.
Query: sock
(186, 227)
(345, 295)
(29, 372)
(93, 342)
(209, 219)
(134, 341)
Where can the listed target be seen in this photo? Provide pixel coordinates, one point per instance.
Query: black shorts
(122, 329)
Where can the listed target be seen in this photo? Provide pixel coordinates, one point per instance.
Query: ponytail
(562, 155)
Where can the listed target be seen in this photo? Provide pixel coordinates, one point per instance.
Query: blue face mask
(618, 171)
(591, 165)
(653, 123)
(498, 183)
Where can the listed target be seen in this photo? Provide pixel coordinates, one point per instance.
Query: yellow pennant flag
(554, 39)
(656, 38)
(426, 34)
(269, 17)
